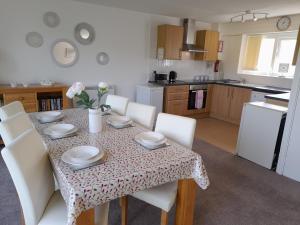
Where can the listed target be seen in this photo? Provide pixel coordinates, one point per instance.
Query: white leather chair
(178, 128)
(142, 114)
(181, 130)
(29, 166)
(11, 109)
(117, 103)
(14, 126)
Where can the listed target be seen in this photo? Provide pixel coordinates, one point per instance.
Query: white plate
(119, 121)
(90, 158)
(154, 145)
(152, 138)
(82, 154)
(48, 117)
(60, 129)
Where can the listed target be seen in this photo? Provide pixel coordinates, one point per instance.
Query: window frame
(278, 36)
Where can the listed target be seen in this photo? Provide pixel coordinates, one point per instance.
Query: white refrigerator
(261, 132)
(150, 94)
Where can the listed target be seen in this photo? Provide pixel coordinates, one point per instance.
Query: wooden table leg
(185, 205)
(86, 218)
(124, 209)
(22, 218)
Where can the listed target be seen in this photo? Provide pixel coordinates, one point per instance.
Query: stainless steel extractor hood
(189, 37)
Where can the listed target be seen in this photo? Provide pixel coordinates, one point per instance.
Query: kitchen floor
(218, 133)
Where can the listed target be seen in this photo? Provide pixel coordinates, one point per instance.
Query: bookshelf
(36, 98)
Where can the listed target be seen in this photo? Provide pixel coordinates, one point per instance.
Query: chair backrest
(142, 114)
(11, 109)
(27, 161)
(178, 128)
(117, 103)
(14, 126)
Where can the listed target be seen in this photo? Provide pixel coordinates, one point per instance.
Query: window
(269, 54)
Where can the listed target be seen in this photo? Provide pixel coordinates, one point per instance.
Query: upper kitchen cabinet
(169, 42)
(209, 41)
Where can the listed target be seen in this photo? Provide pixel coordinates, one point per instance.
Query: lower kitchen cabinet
(227, 102)
(177, 107)
(176, 99)
(220, 102)
(239, 96)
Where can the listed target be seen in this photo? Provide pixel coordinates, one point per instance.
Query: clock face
(283, 23)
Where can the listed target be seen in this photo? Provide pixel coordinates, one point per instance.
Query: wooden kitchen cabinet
(238, 97)
(220, 102)
(209, 41)
(169, 41)
(176, 99)
(227, 102)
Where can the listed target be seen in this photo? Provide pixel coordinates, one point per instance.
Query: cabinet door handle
(232, 93)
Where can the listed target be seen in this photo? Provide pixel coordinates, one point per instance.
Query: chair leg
(164, 218)
(124, 209)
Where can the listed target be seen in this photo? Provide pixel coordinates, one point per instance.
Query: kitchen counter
(279, 97)
(235, 83)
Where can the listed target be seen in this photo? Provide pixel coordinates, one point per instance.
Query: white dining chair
(29, 166)
(14, 126)
(181, 130)
(117, 103)
(141, 114)
(11, 109)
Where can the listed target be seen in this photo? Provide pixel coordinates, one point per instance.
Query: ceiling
(204, 10)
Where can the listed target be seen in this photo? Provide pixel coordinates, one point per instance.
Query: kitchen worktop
(280, 97)
(235, 83)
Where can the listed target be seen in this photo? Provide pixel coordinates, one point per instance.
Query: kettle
(172, 76)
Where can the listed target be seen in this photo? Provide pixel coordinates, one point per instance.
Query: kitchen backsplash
(186, 69)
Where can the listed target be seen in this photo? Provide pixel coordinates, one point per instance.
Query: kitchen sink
(230, 81)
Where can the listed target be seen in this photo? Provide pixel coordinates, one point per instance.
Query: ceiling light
(249, 15)
(254, 18)
(243, 20)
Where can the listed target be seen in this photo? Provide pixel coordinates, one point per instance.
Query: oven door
(197, 96)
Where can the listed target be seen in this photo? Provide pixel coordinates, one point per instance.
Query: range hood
(189, 37)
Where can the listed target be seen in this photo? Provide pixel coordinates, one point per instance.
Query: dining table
(127, 168)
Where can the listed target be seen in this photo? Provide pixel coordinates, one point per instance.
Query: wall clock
(283, 23)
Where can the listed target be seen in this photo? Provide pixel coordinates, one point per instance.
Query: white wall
(232, 34)
(128, 37)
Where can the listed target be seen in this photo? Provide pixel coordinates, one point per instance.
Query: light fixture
(254, 18)
(248, 15)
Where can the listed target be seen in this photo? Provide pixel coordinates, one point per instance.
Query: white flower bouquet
(78, 90)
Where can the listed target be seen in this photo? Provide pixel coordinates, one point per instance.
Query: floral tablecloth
(128, 168)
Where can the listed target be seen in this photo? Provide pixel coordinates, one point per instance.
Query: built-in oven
(197, 96)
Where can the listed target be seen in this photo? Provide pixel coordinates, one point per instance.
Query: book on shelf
(50, 104)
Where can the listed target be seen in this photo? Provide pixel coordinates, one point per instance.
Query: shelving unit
(36, 98)
(50, 101)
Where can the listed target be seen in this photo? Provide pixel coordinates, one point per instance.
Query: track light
(246, 15)
(254, 18)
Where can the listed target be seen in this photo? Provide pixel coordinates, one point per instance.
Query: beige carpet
(241, 193)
